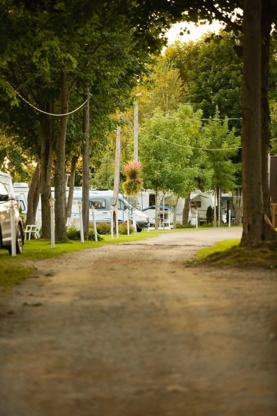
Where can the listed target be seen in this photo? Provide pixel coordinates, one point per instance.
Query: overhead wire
(42, 111)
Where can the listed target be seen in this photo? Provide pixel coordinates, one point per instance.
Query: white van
(102, 202)
(7, 196)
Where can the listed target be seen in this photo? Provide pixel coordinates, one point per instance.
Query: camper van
(7, 198)
(102, 202)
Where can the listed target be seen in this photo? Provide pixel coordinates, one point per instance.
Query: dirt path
(127, 330)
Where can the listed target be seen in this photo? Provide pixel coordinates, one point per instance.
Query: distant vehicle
(21, 190)
(102, 202)
(165, 216)
(7, 197)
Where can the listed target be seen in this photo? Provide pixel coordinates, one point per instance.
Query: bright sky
(195, 32)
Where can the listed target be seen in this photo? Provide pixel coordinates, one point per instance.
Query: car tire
(139, 230)
(19, 241)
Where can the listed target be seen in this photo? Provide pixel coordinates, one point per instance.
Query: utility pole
(136, 131)
(117, 163)
(116, 177)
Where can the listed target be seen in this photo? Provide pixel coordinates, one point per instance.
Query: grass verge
(229, 253)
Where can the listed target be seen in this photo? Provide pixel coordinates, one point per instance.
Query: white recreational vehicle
(102, 201)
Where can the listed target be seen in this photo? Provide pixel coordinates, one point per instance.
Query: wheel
(139, 230)
(18, 243)
(19, 240)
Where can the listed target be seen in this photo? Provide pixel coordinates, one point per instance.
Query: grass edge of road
(227, 253)
(14, 270)
(230, 253)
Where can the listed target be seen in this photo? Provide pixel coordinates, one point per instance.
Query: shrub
(103, 228)
(122, 228)
(74, 234)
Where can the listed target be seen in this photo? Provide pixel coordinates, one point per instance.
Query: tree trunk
(33, 196)
(237, 205)
(251, 126)
(156, 209)
(85, 181)
(185, 219)
(174, 212)
(60, 196)
(46, 127)
(215, 204)
(71, 186)
(269, 233)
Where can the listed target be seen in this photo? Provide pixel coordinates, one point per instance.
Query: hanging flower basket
(131, 187)
(133, 184)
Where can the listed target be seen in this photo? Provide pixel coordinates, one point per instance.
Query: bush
(103, 228)
(74, 234)
(122, 228)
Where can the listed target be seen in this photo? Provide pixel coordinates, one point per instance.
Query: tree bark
(269, 233)
(85, 181)
(46, 127)
(185, 219)
(251, 127)
(33, 196)
(60, 195)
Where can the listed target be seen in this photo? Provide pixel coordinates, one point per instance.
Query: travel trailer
(102, 201)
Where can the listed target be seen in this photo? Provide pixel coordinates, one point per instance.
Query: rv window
(152, 199)
(123, 204)
(3, 190)
(198, 204)
(98, 204)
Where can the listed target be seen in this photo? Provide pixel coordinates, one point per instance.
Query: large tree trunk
(60, 196)
(85, 181)
(268, 231)
(253, 209)
(46, 126)
(33, 197)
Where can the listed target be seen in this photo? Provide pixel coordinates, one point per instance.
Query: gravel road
(128, 330)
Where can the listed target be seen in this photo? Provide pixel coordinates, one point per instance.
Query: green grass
(13, 274)
(219, 247)
(230, 254)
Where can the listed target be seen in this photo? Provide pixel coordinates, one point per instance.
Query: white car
(7, 198)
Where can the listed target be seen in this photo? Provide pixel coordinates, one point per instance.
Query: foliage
(212, 72)
(133, 184)
(123, 229)
(74, 234)
(223, 144)
(104, 228)
(171, 151)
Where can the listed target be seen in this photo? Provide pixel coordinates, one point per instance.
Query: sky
(195, 32)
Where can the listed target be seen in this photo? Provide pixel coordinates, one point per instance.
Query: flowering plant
(133, 183)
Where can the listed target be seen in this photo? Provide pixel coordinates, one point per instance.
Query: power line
(45, 112)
